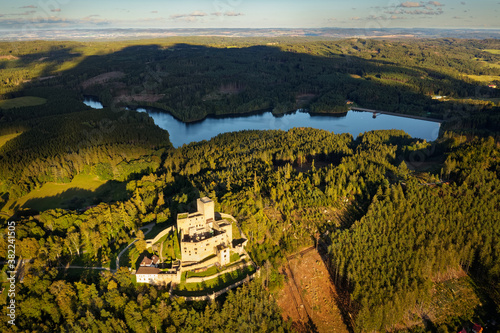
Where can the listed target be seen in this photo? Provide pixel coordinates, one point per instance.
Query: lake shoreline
(354, 122)
(398, 114)
(262, 111)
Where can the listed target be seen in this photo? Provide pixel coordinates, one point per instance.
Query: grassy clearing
(477, 101)
(492, 51)
(82, 191)
(490, 64)
(455, 298)
(5, 138)
(453, 303)
(21, 102)
(484, 78)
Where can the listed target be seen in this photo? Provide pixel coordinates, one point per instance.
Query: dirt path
(309, 297)
(148, 228)
(88, 267)
(102, 78)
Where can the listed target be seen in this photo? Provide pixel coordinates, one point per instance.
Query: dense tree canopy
(397, 214)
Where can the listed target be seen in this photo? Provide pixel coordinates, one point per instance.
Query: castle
(204, 241)
(201, 235)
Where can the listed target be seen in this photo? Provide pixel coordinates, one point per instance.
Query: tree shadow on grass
(76, 198)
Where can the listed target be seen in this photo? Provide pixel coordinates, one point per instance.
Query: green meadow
(22, 102)
(82, 191)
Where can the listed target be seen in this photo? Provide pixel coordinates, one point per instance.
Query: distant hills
(117, 34)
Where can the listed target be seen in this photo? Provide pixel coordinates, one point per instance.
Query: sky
(167, 14)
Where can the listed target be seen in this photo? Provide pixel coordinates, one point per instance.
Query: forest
(277, 184)
(199, 76)
(406, 215)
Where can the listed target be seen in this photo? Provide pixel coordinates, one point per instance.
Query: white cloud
(417, 8)
(435, 3)
(198, 13)
(90, 17)
(232, 14)
(189, 17)
(383, 18)
(410, 4)
(28, 12)
(423, 12)
(44, 21)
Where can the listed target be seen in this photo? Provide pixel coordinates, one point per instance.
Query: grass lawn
(22, 101)
(157, 228)
(211, 271)
(236, 231)
(234, 257)
(170, 246)
(214, 269)
(129, 258)
(82, 191)
(5, 138)
(213, 285)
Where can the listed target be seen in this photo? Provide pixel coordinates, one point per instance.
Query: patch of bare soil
(309, 298)
(452, 297)
(102, 78)
(303, 99)
(9, 57)
(273, 214)
(233, 88)
(223, 91)
(43, 78)
(139, 98)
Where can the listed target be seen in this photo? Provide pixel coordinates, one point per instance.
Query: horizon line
(247, 28)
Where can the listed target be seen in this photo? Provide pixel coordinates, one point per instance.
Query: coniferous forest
(405, 216)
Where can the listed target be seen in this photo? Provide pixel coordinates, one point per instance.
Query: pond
(354, 122)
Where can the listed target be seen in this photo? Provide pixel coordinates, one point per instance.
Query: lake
(93, 102)
(354, 122)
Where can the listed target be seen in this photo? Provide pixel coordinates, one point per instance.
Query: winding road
(148, 227)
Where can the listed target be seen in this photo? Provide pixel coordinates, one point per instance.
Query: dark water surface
(354, 122)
